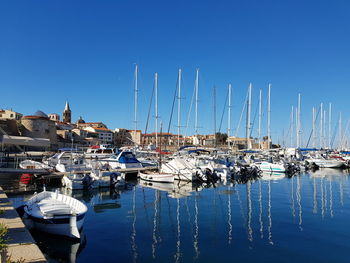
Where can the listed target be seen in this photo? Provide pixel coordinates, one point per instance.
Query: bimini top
(308, 149)
(184, 147)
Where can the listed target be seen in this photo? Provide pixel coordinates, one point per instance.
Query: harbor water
(273, 219)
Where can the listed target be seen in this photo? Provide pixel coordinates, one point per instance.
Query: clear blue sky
(85, 51)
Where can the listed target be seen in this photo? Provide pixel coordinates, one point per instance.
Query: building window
(11, 115)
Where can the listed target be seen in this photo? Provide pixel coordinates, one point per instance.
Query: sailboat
(160, 177)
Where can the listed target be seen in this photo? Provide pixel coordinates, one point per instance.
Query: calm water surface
(304, 218)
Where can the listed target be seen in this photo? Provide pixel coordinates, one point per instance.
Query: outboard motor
(117, 180)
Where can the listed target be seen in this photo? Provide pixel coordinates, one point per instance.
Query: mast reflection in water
(273, 219)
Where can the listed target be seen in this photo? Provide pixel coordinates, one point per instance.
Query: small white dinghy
(56, 213)
(157, 177)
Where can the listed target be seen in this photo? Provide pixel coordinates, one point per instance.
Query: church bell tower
(67, 114)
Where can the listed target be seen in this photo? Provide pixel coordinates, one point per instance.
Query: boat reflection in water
(178, 189)
(101, 200)
(59, 249)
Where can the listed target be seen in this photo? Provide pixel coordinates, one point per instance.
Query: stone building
(54, 117)
(105, 135)
(163, 138)
(82, 124)
(10, 115)
(39, 126)
(135, 136)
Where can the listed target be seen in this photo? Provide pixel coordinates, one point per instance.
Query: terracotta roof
(162, 134)
(102, 129)
(91, 123)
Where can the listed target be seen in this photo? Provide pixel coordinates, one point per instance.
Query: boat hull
(270, 167)
(157, 177)
(58, 226)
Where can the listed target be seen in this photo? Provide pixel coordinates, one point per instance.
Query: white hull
(327, 163)
(181, 169)
(271, 167)
(59, 229)
(55, 213)
(63, 168)
(157, 177)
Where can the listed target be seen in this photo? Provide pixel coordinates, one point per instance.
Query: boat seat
(54, 207)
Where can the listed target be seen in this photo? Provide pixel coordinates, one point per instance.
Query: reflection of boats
(56, 213)
(326, 172)
(272, 176)
(102, 207)
(59, 249)
(157, 177)
(175, 190)
(101, 178)
(158, 186)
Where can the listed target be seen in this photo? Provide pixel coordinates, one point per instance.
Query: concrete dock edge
(21, 245)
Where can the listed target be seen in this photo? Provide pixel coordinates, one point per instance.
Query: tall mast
(324, 129)
(214, 102)
(269, 118)
(329, 125)
(259, 123)
(340, 132)
(196, 114)
(135, 95)
(156, 104)
(179, 108)
(248, 115)
(313, 127)
(298, 124)
(321, 125)
(229, 115)
(291, 127)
